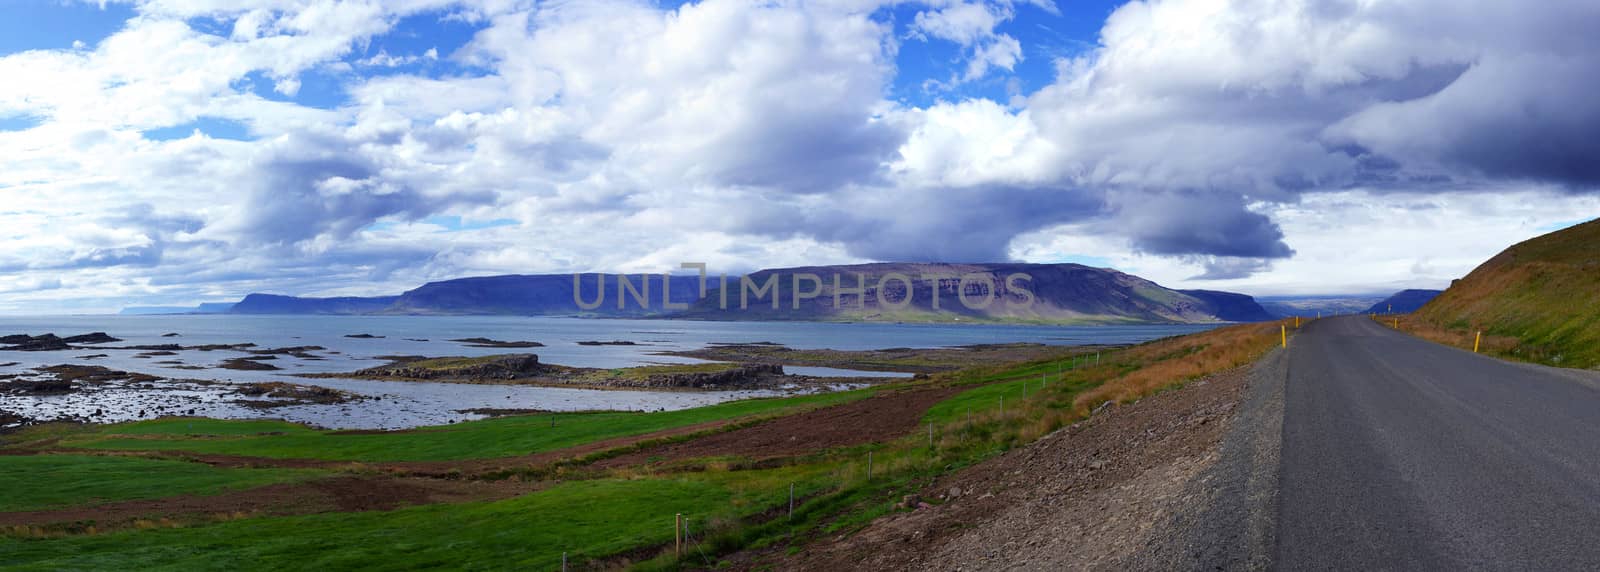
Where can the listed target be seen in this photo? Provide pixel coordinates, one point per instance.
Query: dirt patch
(883, 417)
(337, 494)
(1091, 496)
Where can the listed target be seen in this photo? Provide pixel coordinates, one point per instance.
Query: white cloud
(1201, 138)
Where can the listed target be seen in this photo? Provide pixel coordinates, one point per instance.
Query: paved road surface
(1402, 454)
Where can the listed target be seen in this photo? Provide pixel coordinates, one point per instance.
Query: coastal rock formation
(504, 367)
(94, 338)
(292, 394)
(488, 343)
(247, 364)
(745, 374)
(51, 342)
(44, 343)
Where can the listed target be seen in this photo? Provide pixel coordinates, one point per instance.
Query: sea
(398, 405)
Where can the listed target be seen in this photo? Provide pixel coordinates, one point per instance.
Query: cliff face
(1020, 292)
(1404, 301)
(1232, 307)
(912, 292)
(549, 294)
(275, 304)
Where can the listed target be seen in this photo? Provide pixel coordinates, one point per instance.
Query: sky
(172, 152)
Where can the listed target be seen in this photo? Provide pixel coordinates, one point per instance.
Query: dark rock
(504, 367)
(94, 374)
(151, 348)
(94, 338)
(293, 393)
(38, 386)
(44, 343)
(171, 335)
(610, 343)
(744, 374)
(488, 343)
(244, 364)
(363, 337)
(296, 351)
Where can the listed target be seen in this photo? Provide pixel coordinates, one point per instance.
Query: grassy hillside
(600, 511)
(1543, 293)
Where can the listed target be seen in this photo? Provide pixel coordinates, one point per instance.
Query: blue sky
(164, 152)
(1045, 35)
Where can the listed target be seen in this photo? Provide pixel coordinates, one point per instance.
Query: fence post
(791, 501)
(869, 465)
(677, 535)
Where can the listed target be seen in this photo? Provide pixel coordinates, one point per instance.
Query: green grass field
(619, 517)
(37, 482)
(585, 519)
(489, 438)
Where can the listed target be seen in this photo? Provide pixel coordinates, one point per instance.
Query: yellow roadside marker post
(1397, 323)
(1476, 341)
(1297, 322)
(1284, 332)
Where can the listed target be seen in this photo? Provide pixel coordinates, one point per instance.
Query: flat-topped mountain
(1056, 293)
(894, 292)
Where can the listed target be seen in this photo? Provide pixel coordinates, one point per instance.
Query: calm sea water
(412, 404)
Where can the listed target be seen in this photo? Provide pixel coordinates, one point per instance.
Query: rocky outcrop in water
(488, 343)
(505, 367)
(44, 343)
(51, 342)
(746, 374)
(292, 394)
(247, 364)
(94, 338)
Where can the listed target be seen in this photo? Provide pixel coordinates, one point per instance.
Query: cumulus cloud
(620, 135)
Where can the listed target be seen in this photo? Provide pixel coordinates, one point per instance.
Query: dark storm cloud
(1227, 268)
(1530, 117)
(311, 186)
(807, 153)
(1197, 223)
(974, 224)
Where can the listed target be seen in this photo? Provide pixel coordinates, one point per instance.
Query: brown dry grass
(1506, 346)
(1171, 362)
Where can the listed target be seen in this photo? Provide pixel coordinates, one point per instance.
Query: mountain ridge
(1021, 293)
